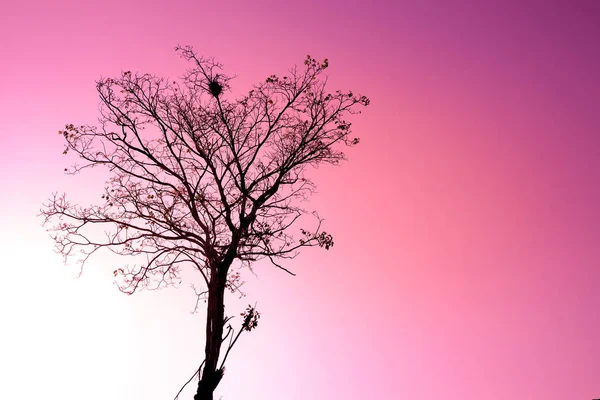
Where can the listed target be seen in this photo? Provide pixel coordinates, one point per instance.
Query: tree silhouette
(203, 182)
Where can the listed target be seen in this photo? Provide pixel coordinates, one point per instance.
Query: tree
(201, 181)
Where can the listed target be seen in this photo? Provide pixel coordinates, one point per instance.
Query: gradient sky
(467, 222)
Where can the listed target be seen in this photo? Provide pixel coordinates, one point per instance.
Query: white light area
(71, 338)
(53, 324)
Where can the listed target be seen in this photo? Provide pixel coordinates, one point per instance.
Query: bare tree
(200, 181)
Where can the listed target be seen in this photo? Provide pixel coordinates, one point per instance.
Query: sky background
(466, 223)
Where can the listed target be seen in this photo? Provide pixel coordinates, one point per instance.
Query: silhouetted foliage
(203, 181)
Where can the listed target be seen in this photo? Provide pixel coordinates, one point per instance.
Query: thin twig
(189, 380)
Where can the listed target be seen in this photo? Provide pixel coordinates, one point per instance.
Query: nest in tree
(215, 88)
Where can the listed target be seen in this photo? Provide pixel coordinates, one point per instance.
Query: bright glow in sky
(467, 256)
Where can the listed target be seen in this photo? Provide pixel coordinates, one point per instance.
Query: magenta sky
(467, 222)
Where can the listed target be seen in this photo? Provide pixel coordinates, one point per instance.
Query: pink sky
(466, 263)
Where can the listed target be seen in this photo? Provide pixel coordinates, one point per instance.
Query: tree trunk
(211, 376)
